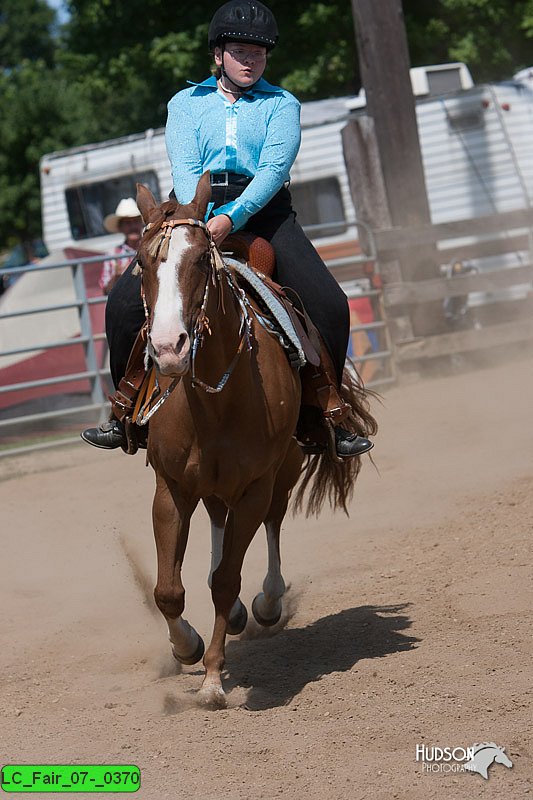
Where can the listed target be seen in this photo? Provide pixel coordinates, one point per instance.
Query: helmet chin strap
(226, 77)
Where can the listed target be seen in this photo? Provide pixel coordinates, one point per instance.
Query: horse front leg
(171, 530)
(241, 524)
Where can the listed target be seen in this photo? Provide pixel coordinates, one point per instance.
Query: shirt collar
(260, 87)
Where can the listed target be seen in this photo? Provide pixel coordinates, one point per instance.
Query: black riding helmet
(244, 21)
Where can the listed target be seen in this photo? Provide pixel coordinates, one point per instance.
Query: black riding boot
(348, 444)
(109, 435)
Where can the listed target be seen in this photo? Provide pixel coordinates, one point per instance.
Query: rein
(159, 248)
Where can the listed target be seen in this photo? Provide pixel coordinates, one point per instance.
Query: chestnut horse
(231, 446)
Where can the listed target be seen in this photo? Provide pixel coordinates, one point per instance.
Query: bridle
(217, 268)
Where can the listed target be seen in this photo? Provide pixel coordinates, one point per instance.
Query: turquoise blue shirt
(258, 135)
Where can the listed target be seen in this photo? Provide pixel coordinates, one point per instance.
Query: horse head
(503, 758)
(174, 257)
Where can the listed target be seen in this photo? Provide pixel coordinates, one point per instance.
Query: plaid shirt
(114, 267)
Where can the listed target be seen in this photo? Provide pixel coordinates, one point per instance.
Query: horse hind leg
(183, 638)
(218, 513)
(267, 606)
(171, 530)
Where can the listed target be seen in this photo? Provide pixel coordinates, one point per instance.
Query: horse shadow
(275, 668)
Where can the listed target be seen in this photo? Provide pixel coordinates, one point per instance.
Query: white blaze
(168, 324)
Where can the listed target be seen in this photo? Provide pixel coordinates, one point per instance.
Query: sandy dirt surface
(409, 623)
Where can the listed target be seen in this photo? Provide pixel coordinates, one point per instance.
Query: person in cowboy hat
(247, 133)
(127, 220)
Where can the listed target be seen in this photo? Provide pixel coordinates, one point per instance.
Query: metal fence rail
(93, 372)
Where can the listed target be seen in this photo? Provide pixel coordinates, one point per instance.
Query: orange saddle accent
(257, 252)
(146, 394)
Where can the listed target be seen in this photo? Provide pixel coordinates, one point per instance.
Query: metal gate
(370, 342)
(88, 378)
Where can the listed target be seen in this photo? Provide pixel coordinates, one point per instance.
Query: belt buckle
(223, 176)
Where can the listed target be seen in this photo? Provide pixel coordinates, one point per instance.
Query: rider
(247, 133)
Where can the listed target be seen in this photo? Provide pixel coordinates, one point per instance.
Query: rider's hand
(219, 227)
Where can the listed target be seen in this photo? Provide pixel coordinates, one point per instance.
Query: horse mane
(490, 747)
(325, 478)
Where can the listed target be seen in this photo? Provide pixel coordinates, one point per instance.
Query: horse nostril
(181, 343)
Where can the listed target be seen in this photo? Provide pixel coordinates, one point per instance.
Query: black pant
(298, 266)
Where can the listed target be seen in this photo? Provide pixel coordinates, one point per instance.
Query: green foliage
(25, 32)
(316, 57)
(491, 36)
(41, 111)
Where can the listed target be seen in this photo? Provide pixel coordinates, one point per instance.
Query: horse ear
(145, 201)
(203, 194)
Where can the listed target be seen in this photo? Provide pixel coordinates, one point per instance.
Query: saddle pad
(272, 303)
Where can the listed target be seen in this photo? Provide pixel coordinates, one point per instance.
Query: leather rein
(217, 266)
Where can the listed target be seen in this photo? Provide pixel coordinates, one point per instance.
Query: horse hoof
(266, 623)
(196, 656)
(212, 697)
(237, 621)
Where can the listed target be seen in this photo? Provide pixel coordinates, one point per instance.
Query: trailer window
(441, 81)
(90, 203)
(319, 207)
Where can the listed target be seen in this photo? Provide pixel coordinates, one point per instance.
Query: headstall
(159, 248)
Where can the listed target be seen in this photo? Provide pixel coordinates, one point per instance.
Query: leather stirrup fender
(319, 388)
(124, 398)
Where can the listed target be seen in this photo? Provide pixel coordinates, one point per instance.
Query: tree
(491, 36)
(41, 111)
(25, 32)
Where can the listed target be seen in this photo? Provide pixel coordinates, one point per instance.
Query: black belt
(229, 179)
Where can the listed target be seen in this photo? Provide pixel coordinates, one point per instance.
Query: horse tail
(322, 476)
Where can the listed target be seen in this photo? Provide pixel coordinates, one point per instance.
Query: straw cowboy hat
(126, 209)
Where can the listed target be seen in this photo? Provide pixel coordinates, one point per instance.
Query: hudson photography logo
(475, 759)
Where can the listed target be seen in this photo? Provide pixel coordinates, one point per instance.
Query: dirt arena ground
(409, 623)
